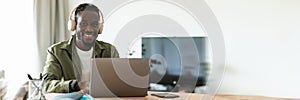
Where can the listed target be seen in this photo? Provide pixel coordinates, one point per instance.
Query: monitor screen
(176, 59)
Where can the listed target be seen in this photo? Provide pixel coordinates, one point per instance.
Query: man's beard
(88, 44)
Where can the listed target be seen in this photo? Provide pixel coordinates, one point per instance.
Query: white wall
(262, 46)
(125, 25)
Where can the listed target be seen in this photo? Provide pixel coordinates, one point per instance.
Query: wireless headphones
(72, 22)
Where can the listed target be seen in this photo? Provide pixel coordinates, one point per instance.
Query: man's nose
(89, 28)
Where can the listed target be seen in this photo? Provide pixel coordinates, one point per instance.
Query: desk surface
(188, 96)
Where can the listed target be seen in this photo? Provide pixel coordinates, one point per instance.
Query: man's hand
(84, 91)
(81, 87)
(84, 87)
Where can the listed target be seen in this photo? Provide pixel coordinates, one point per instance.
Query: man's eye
(83, 24)
(95, 25)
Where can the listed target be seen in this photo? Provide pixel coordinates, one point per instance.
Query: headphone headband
(72, 18)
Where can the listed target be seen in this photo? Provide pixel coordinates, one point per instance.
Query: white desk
(187, 96)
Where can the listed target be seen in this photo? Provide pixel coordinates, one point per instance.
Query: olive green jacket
(62, 60)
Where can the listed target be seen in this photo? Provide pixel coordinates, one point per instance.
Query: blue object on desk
(86, 97)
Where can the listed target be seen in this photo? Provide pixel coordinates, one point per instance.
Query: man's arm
(55, 81)
(115, 53)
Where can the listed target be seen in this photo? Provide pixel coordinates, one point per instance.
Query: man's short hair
(85, 7)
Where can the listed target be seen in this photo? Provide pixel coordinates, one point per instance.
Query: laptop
(119, 77)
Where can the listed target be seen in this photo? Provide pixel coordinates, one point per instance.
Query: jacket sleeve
(54, 81)
(115, 53)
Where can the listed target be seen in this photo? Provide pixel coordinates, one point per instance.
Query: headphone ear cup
(101, 28)
(71, 25)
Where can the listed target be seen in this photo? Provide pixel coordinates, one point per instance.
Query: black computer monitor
(177, 60)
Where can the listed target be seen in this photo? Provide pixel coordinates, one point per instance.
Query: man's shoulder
(104, 44)
(59, 44)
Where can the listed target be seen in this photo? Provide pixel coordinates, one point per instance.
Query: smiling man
(68, 63)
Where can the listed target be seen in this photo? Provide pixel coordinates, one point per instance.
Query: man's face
(87, 27)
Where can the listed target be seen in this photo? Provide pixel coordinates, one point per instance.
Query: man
(68, 62)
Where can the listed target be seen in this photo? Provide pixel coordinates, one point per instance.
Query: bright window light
(18, 42)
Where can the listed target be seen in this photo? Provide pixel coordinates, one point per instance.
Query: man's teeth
(88, 34)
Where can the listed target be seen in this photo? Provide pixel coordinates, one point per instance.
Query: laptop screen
(116, 76)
